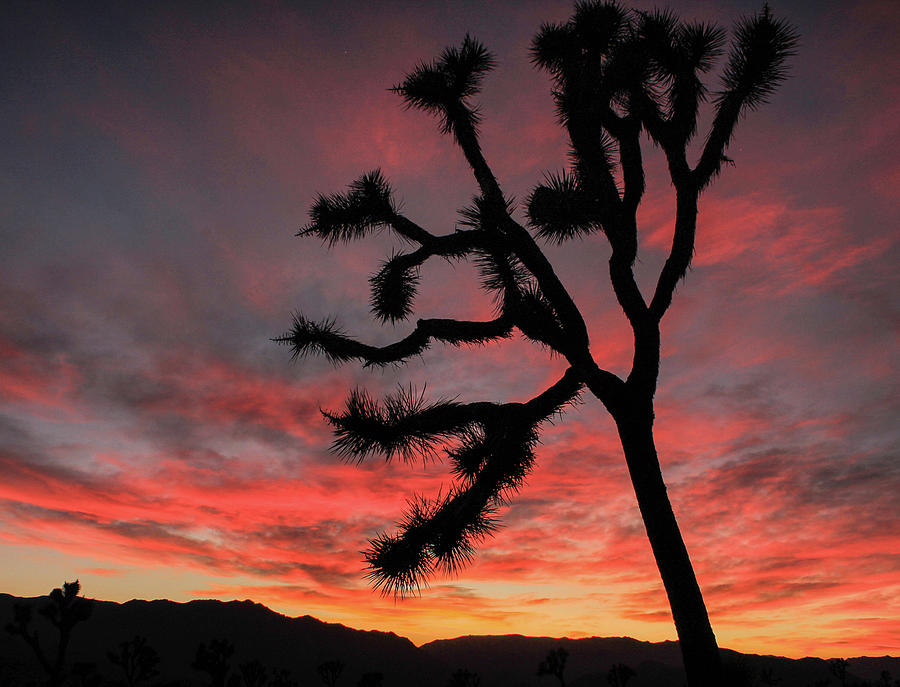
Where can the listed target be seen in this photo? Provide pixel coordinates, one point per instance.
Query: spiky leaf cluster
(307, 337)
(442, 86)
(394, 287)
(403, 425)
(560, 209)
(491, 448)
(757, 63)
(492, 460)
(581, 45)
(367, 206)
(678, 53)
(500, 269)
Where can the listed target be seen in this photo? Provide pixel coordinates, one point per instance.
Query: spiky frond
(466, 519)
(466, 67)
(497, 451)
(442, 86)
(402, 426)
(757, 63)
(469, 455)
(486, 214)
(560, 209)
(678, 54)
(600, 25)
(701, 45)
(367, 206)
(442, 534)
(553, 47)
(400, 564)
(393, 288)
(493, 457)
(578, 48)
(325, 338)
(537, 320)
(500, 269)
(697, 46)
(307, 337)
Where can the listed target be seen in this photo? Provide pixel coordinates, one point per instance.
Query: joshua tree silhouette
(554, 664)
(253, 673)
(838, 668)
(137, 660)
(371, 680)
(64, 610)
(617, 75)
(464, 678)
(281, 677)
(619, 675)
(84, 674)
(214, 660)
(330, 671)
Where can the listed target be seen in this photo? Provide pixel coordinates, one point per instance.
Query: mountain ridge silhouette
(299, 644)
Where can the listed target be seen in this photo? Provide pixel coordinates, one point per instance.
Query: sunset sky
(158, 159)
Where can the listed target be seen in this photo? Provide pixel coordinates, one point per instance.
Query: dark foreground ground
(272, 650)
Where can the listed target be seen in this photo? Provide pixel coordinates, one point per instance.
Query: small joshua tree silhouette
(282, 678)
(253, 673)
(137, 660)
(214, 660)
(330, 671)
(554, 664)
(371, 680)
(838, 667)
(767, 677)
(619, 675)
(85, 674)
(64, 610)
(464, 678)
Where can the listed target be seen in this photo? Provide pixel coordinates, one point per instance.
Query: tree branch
(756, 66)
(395, 284)
(681, 253)
(495, 456)
(307, 337)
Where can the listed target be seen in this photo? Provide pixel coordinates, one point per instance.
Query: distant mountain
(176, 629)
(300, 644)
(511, 661)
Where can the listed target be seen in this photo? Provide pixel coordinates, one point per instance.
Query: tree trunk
(699, 650)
